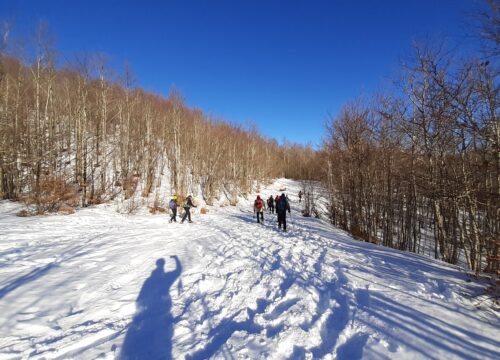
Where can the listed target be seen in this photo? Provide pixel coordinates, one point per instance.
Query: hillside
(99, 284)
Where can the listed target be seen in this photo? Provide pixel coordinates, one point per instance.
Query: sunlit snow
(99, 284)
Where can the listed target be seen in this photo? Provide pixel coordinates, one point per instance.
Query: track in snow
(93, 285)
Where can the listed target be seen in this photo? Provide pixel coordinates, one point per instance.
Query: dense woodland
(71, 135)
(419, 170)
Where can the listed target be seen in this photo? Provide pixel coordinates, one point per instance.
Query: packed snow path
(98, 284)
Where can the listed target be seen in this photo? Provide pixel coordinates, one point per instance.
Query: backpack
(172, 205)
(281, 204)
(258, 203)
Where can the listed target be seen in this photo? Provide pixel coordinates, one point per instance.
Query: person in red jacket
(258, 208)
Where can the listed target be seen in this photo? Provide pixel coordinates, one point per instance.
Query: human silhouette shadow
(149, 336)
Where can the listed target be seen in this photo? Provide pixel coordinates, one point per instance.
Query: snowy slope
(98, 284)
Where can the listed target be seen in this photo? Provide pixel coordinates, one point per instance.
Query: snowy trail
(92, 285)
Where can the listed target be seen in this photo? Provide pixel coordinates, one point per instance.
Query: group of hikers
(281, 203)
(187, 204)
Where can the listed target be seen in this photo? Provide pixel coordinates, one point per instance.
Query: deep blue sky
(284, 65)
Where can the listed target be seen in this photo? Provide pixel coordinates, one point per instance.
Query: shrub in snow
(132, 206)
(130, 185)
(66, 210)
(157, 210)
(23, 213)
(95, 200)
(310, 198)
(51, 195)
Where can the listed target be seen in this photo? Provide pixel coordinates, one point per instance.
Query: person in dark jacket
(276, 199)
(173, 206)
(270, 204)
(282, 206)
(188, 204)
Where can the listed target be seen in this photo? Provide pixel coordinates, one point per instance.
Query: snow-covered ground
(98, 284)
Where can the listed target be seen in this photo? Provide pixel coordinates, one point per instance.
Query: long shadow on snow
(409, 323)
(353, 348)
(250, 220)
(221, 333)
(150, 334)
(336, 321)
(251, 245)
(397, 265)
(269, 221)
(35, 274)
(404, 258)
(334, 324)
(22, 280)
(226, 328)
(400, 270)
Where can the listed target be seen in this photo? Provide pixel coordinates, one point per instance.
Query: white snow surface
(102, 285)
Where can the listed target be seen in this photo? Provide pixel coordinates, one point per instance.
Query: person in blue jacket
(282, 206)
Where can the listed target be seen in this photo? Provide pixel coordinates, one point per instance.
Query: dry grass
(66, 210)
(51, 195)
(157, 210)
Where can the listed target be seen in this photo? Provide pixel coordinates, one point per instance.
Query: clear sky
(282, 64)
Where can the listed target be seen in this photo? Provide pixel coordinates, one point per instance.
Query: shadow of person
(150, 334)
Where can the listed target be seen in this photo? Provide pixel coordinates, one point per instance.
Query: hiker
(172, 204)
(300, 196)
(188, 204)
(282, 206)
(258, 208)
(270, 204)
(276, 199)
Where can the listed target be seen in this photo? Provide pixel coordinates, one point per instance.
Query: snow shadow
(221, 333)
(353, 348)
(411, 327)
(149, 336)
(22, 280)
(250, 219)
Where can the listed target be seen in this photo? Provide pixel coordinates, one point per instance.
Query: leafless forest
(417, 170)
(421, 168)
(73, 136)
